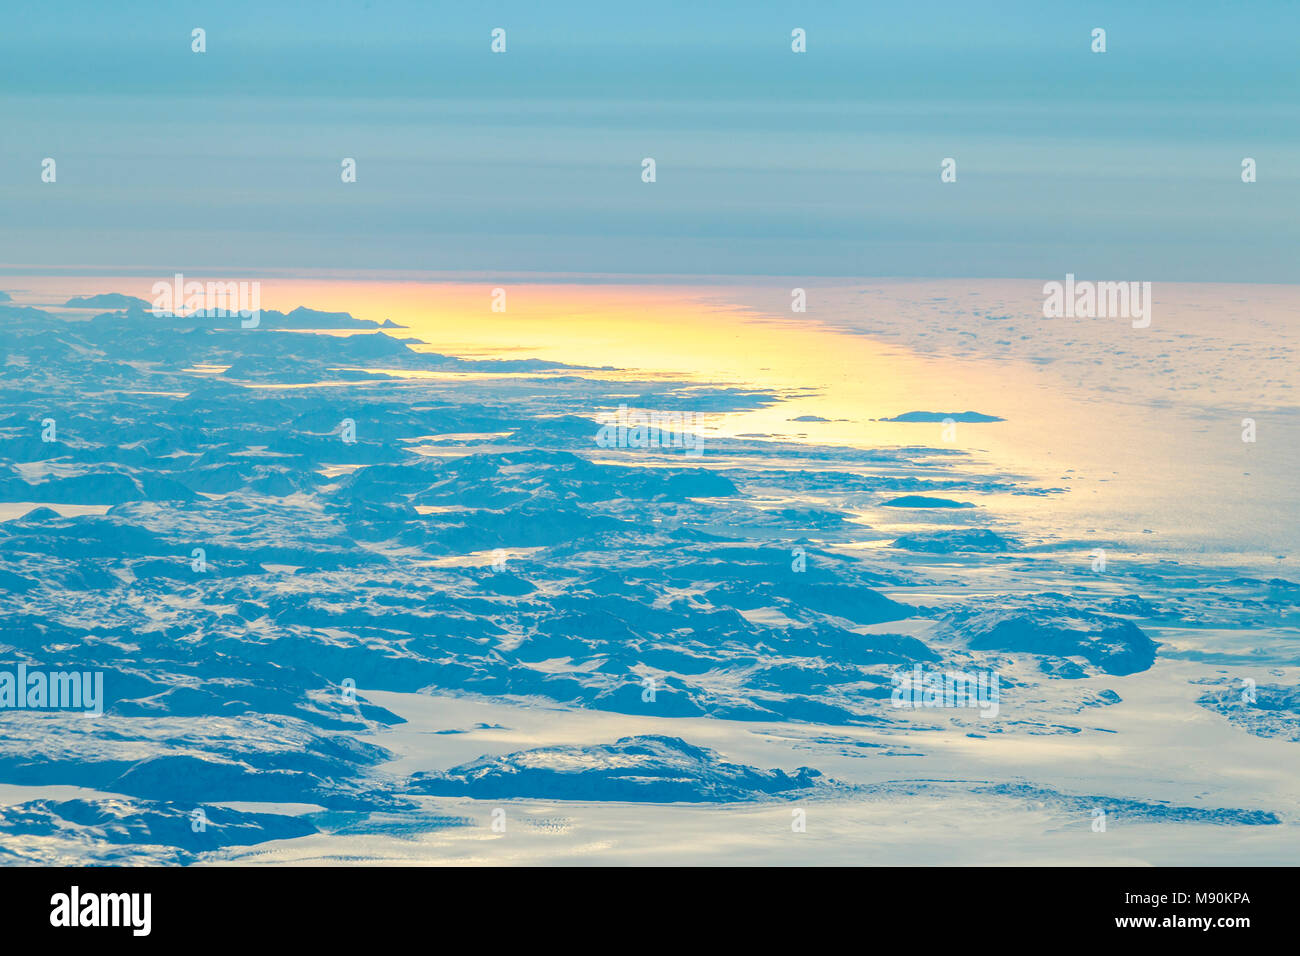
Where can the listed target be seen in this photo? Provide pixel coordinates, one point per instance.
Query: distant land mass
(301, 318)
(106, 300)
(943, 416)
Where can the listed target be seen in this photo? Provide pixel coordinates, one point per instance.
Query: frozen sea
(463, 631)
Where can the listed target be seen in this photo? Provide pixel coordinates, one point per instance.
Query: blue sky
(1117, 165)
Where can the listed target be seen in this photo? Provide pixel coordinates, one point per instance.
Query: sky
(1117, 165)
